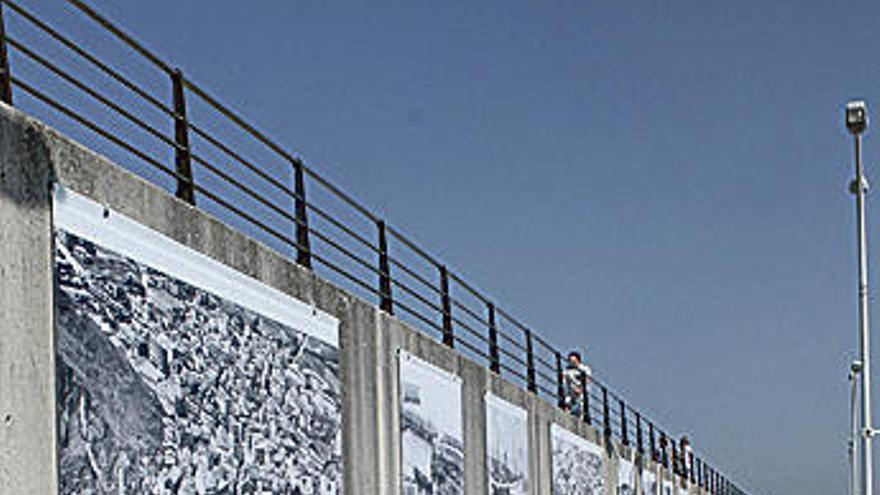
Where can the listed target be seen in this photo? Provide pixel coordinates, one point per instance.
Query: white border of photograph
(86, 218)
(649, 477)
(626, 474)
(451, 421)
(435, 417)
(514, 432)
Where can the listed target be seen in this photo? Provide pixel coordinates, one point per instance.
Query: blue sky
(663, 183)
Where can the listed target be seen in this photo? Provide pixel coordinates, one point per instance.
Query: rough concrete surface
(31, 154)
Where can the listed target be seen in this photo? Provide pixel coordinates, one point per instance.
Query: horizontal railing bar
(89, 57)
(513, 371)
(416, 295)
(470, 312)
(512, 356)
(474, 292)
(515, 343)
(89, 91)
(427, 283)
(413, 247)
(198, 131)
(544, 344)
(92, 126)
(548, 378)
(128, 40)
(201, 93)
(470, 347)
(506, 316)
(469, 329)
(336, 223)
(418, 315)
(549, 366)
(323, 238)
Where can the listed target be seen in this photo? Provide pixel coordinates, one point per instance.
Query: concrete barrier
(33, 156)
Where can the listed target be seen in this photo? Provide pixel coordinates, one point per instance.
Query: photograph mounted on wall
(431, 429)
(649, 483)
(178, 374)
(667, 487)
(506, 447)
(626, 478)
(576, 464)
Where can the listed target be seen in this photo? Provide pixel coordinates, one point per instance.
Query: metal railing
(216, 159)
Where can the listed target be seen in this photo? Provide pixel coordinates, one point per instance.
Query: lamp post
(856, 123)
(853, 442)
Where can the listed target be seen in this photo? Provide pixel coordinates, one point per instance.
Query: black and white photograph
(431, 436)
(576, 464)
(648, 485)
(507, 449)
(626, 478)
(176, 376)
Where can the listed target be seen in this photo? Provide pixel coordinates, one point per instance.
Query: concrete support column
(27, 358)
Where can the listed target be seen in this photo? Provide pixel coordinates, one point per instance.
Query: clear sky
(663, 183)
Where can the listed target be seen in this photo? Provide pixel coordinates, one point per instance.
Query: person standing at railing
(664, 455)
(576, 380)
(685, 457)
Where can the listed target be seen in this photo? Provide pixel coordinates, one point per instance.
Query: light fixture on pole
(856, 123)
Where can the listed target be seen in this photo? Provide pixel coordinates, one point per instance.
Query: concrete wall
(33, 155)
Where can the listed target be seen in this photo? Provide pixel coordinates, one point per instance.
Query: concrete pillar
(27, 358)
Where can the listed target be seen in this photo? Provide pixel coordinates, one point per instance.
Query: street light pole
(857, 122)
(853, 442)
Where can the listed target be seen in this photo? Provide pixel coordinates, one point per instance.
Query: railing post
(624, 438)
(5, 74)
(664, 450)
(696, 466)
(385, 301)
(606, 415)
(653, 444)
(494, 357)
(639, 439)
(585, 386)
(560, 381)
(713, 481)
(690, 464)
(673, 457)
(448, 337)
(530, 363)
(182, 164)
(303, 247)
